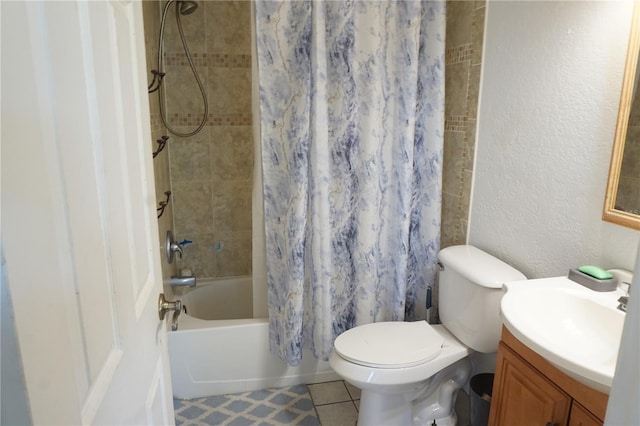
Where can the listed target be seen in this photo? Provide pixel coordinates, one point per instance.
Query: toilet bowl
(410, 372)
(389, 393)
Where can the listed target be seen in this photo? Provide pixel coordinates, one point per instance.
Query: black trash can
(481, 386)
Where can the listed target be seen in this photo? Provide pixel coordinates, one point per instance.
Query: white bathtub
(214, 353)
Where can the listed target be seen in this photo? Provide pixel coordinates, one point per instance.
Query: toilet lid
(390, 344)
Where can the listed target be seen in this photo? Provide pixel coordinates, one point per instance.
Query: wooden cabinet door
(581, 417)
(522, 396)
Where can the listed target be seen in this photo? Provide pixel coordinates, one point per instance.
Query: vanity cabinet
(528, 390)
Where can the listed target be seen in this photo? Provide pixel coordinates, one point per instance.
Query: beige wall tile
(190, 157)
(192, 207)
(453, 161)
(209, 204)
(462, 229)
(222, 208)
(228, 26)
(220, 254)
(478, 34)
(465, 194)
(193, 26)
(232, 152)
(183, 93)
(200, 256)
(465, 31)
(229, 90)
(449, 220)
(473, 91)
(457, 78)
(469, 144)
(151, 13)
(459, 22)
(241, 206)
(232, 205)
(240, 250)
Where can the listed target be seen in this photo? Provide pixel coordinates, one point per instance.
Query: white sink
(576, 329)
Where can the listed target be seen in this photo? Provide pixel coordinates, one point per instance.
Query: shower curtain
(352, 121)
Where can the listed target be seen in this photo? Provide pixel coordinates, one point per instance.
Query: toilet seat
(390, 344)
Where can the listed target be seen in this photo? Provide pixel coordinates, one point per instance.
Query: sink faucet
(623, 300)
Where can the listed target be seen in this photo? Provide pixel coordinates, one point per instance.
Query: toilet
(410, 372)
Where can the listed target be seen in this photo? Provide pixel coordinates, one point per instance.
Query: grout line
(315, 408)
(331, 403)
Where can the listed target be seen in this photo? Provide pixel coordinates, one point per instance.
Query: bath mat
(282, 406)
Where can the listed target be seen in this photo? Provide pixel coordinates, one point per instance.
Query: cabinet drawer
(581, 417)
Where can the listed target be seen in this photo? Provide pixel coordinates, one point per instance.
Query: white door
(79, 227)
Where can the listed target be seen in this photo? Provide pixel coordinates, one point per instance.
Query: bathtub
(219, 349)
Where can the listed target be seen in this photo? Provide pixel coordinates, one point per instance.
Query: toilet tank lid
(478, 266)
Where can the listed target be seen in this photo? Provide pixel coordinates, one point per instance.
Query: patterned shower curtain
(352, 117)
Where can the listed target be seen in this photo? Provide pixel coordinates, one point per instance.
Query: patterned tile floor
(326, 404)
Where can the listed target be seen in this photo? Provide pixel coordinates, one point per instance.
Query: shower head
(187, 7)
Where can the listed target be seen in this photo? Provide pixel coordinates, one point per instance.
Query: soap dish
(591, 282)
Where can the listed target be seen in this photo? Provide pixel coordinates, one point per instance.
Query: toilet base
(434, 400)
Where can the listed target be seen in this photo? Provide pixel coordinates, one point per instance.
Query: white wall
(549, 97)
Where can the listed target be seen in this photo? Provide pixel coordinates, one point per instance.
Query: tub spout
(183, 281)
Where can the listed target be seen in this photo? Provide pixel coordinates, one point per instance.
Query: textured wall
(211, 172)
(465, 27)
(550, 89)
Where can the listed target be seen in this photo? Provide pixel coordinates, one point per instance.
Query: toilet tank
(470, 290)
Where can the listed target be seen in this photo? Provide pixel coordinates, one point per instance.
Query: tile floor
(323, 404)
(337, 402)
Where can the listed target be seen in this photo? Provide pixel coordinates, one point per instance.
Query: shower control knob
(171, 247)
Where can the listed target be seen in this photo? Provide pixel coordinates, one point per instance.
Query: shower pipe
(182, 8)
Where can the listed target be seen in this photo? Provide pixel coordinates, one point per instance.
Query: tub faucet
(183, 281)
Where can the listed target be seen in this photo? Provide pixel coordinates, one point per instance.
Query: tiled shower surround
(211, 172)
(150, 13)
(465, 31)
